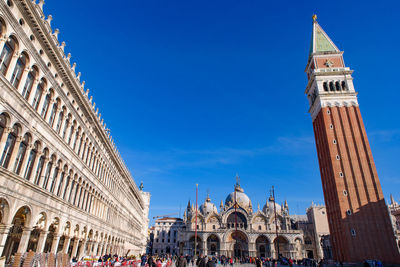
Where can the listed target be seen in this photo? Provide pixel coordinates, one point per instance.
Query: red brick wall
(369, 217)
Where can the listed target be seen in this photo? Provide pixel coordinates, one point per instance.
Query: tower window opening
(341, 174)
(326, 86)
(348, 212)
(331, 126)
(353, 232)
(329, 112)
(337, 157)
(337, 84)
(334, 141)
(331, 86)
(344, 86)
(345, 193)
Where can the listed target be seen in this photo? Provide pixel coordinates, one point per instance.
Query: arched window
(39, 169)
(6, 55)
(71, 132)
(38, 94)
(66, 187)
(53, 114)
(46, 105)
(60, 184)
(73, 183)
(47, 174)
(30, 79)
(18, 70)
(337, 84)
(9, 147)
(326, 86)
(21, 154)
(331, 86)
(80, 145)
(76, 138)
(344, 86)
(60, 118)
(31, 160)
(54, 181)
(65, 127)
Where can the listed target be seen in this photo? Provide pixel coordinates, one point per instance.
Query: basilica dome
(207, 207)
(269, 206)
(241, 198)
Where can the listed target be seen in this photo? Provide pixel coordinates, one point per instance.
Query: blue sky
(197, 91)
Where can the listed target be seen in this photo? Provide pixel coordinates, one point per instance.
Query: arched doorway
(36, 232)
(263, 247)
(52, 230)
(199, 247)
(238, 244)
(213, 245)
(168, 250)
(20, 221)
(281, 244)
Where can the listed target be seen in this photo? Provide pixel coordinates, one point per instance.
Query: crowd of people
(186, 261)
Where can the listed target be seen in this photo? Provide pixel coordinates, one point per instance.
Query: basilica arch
(237, 244)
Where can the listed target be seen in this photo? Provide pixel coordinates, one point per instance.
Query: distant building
(164, 235)
(394, 209)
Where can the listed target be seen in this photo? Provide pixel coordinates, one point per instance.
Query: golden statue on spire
(314, 17)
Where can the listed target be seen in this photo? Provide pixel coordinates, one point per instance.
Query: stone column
(67, 240)
(204, 242)
(63, 121)
(54, 244)
(51, 175)
(49, 109)
(33, 91)
(56, 117)
(100, 249)
(4, 230)
(41, 241)
(23, 79)
(82, 249)
(3, 41)
(14, 153)
(41, 100)
(75, 247)
(23, 243)
(43, 174)
(3, 139)
(11, 67)
(25, 160)
(252, 249)
(95, 246)
(35, 165)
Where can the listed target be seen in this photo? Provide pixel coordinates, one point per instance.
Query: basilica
(236, 230)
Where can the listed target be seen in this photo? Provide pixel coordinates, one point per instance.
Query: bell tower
(359, 222)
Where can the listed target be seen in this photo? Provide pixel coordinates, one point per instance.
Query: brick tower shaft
(358, 217)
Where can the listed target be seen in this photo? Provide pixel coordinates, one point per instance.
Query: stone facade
(165, 235)
(63, 185)
(359, 222)
(238, 230)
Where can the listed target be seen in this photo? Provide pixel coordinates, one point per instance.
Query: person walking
(258, 262)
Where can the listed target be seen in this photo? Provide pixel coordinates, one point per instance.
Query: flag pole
(195, 229)
(276, 222)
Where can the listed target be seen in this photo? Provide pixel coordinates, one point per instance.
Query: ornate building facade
(165, 235)
(238, 230)
(359, 222)
(63, 185)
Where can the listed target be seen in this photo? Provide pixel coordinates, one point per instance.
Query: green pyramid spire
(320, 41)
